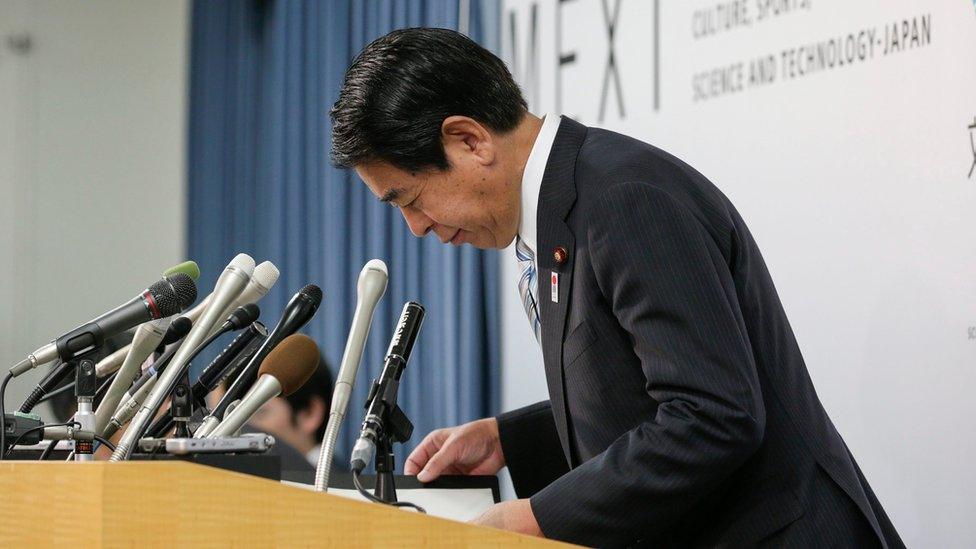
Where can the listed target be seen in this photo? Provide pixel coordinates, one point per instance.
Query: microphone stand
(395, 426)
(86, 385)
(181, 406)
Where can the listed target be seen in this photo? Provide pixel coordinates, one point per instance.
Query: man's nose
(419, 223)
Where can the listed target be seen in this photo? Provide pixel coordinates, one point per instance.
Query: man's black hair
(319, 385)
(401, 88)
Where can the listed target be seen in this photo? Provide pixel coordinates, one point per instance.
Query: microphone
(262, 280)
(230, 359)
(229, 285)
(382, 398)
(190, 268)
(112, 362)
(178, 328)
(369, 290)
(299, 310)
(240, 318)
(144, 342)
(284, 371)
(167, 297)
(62, 432)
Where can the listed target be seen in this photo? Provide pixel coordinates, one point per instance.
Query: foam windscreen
(292, 362)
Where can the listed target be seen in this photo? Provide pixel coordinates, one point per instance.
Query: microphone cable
(104, 441)
(71, 423)
(47, 451)
(365, 493)
(3, 415)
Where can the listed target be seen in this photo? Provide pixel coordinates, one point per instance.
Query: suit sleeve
(533, 454)
(671, 289)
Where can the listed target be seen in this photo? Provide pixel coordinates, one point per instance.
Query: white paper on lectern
(461, 504)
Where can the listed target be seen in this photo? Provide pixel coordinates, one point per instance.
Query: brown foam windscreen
(292, 362)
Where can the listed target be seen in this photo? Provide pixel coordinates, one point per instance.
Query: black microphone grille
(313, 292)
(177, 330)
(186, 288)
(244, 315)
(173, 294)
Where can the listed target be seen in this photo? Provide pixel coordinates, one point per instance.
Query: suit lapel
(556, 199)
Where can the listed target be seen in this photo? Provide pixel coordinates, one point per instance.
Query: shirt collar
(535, 168)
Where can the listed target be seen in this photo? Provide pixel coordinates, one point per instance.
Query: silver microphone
(110, 364)
(369, 290)
(230, 285)
(146, 339)
(124, 412)
(262, 280)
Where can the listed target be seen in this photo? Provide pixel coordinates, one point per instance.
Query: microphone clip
(387, 424)
(392, 422)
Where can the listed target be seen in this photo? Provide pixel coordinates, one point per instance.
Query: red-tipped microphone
(166, 297)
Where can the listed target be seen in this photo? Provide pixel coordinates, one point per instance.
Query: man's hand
(515, 516)
(469, 449)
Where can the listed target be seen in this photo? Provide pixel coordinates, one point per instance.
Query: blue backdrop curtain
(263, 77)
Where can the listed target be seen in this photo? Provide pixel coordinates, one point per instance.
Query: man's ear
(311, 417)
(465, 139)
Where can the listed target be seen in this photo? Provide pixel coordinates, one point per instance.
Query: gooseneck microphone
(283, 372)
(299, 310)
(383, 395)
(166, 297)
(229, 285)
(369, 290)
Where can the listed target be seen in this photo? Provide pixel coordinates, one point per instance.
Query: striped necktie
(527, 285)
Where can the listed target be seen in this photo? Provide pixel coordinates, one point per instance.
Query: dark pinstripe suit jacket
(681, 412)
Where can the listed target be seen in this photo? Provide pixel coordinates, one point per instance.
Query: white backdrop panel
(842, 132)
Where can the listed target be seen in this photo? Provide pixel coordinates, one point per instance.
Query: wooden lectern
(173, 504)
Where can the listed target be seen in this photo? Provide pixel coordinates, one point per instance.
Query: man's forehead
(386, 182)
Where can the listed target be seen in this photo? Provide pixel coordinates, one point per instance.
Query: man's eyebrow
(391, 195)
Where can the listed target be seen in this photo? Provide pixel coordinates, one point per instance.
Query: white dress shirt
(535, 168)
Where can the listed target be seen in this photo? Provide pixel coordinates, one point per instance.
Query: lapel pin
(560, 254)
(554, 286)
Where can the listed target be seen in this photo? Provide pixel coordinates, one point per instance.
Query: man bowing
(680, 410)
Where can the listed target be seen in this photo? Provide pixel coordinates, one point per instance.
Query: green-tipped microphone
(190, 268)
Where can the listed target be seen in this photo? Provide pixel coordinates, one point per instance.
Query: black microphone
(177, 330)
(382, 412)
(167, 297)
(299, 310)
(233, 357)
